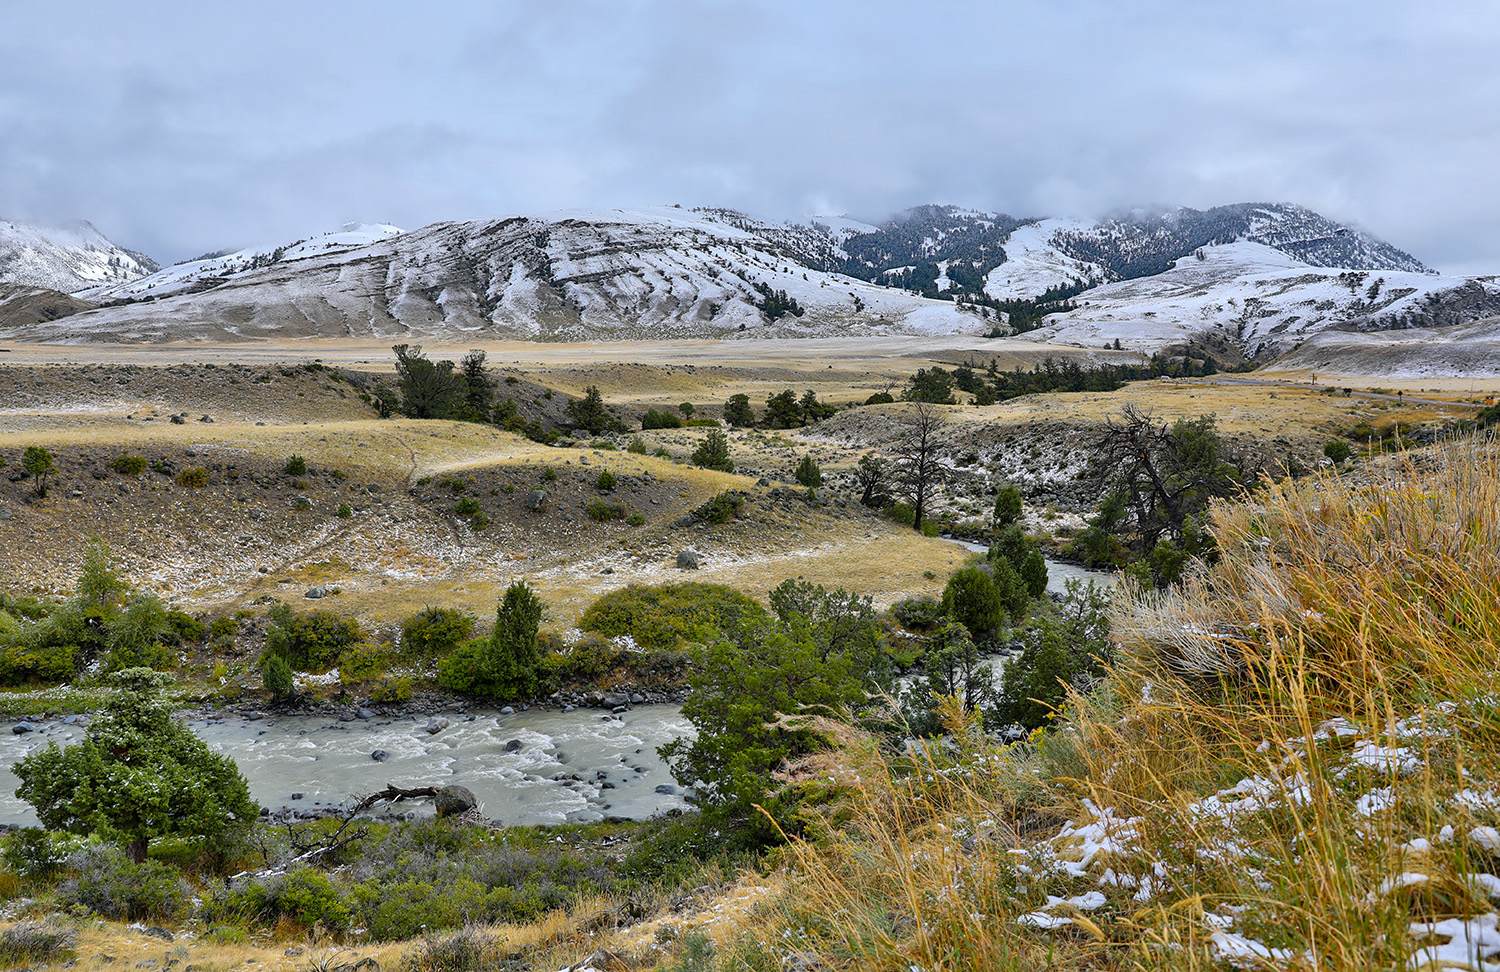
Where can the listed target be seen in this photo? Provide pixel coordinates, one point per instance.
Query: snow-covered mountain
(1264, 301)
(208, 272)
(66, 258)
(575, 275)
(1262, 277)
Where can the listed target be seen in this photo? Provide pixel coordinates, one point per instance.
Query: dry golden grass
(1277, 756)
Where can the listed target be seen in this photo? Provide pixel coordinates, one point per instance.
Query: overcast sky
(182, 127)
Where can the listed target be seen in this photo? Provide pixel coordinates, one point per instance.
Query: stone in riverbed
(454, 799)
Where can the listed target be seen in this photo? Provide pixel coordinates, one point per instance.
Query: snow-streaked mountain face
(578, 275)
(1264, 301)
(204, 274)
(66, 258)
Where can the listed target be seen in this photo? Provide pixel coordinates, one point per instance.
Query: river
(571, 767)
(1058, 573)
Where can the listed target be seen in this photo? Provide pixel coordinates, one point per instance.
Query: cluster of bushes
(784, 410)
(44, 643)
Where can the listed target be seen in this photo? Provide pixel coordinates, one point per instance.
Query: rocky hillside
(67, 258)
(584, 275)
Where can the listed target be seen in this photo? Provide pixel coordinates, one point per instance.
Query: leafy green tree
(504, 665)
(385, 400)
(478, 391)
(39, 465)
(276, 675)
(1063, 646)
(135, 635)
(808, 473)
(881, 398)
(950, 667)
(687, 409)
(590, 414)
(812, 410)
(972, 599)
(653, 419)
(931, 385)
(138, 774)
(1007, 507)
(99, 587)
(429, 389)
(1034, 573)
(782, 411)
(786, 665)
(737, 411)
(713, 453)
(1337, 450)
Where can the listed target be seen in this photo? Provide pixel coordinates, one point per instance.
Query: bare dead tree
(918, 468)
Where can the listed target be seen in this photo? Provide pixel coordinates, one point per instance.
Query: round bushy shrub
(295, 466)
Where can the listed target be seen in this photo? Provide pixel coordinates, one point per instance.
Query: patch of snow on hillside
(1033, 265)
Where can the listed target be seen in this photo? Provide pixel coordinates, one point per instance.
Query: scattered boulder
(315, 593)
(514, 746)
(687, 560)
(178, 420)
(156, 931)
(436, 725)
(21, 728)
(666, 789)
(454, 799)
(380, 755)
(537, 501)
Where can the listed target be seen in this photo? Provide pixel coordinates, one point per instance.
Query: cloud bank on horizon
(179, 128)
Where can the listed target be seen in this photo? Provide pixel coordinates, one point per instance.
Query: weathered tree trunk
(136, 850)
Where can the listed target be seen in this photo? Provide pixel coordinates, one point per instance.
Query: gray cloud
(194, 127)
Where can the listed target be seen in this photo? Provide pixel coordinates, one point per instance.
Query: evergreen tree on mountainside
(429, 389)
(590, 414)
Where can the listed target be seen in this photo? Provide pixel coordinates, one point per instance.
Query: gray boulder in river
(454, 799)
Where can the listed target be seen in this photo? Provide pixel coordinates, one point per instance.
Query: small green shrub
(276, 675)
(467, 506)
(636, 519)
(918, 613)
(1337, 450)
(455, 485)
(304, 896)
(659, 420)
(295, 466)
(601, 512)
(434, 631)
(396, 689)
(27, 665)
(661, 616)
(107, 883)
(344, 511)
(194, 477)
(901, 513)
(605, 482)
(808, 473)
(721, 509)
(185, 627)
(549, 475)
(32, 944)
(662, 453)
(310, 642)
(32, 853)
(881, 398)
(127, 464)
(636, 446)
(364, 662)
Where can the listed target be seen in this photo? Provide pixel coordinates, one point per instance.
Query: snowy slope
(1265, 301)
(1459, 351)
(197, 275)
(573, 275)
(1034, 263)
(65, 258)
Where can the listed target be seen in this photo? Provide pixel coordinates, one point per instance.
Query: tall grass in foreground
(1295, 765)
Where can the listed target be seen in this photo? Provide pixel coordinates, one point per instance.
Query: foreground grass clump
(1294, 764)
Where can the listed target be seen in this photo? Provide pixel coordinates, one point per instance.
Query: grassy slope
(1294, 765)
